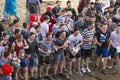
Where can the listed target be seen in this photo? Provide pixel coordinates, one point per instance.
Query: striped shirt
(87, 33)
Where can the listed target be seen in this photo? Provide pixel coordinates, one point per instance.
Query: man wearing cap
(51, 16)
(34, 24)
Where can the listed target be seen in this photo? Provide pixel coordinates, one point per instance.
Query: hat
(34, 24)
(49, 8)
(6, 69)
(58, 18)
(46, 17)
(69, 13)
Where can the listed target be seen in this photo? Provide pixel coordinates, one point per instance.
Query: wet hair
(68, 1)
(25, 25)
(6, 54)
(20, 36)
(57, 1)
(62, 25)
(47, 35)
(32, 33)
(15, 21)
(76, 29)
(4, 34)
(16, 31)
(11, 25)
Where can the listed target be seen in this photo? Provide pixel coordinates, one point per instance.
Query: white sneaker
(70, 72)
(79, 72)
(88, 69)
(110, 67)
(83, 70)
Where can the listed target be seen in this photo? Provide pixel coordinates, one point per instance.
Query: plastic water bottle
(22, 52)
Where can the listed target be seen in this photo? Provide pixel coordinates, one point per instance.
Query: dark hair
(1, 39)
(90, 23)
(15, 21)
(4, 34)
(62, 32)
(16, 31)
(93, 9)
(11, 25)
(25, 25)
(80, 15)
(103, 24)
(47, 35)
(6, 54)
(76, 29)
(62, 25)
(106, 12)
(57, 1)
(68, 1)
(32, 33)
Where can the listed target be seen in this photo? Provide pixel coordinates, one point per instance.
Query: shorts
(78, 55)
(86, 53)
(112, 51)
(44, 60)
(31, 61)
(102, 52)
(59, 57)
(23, 63)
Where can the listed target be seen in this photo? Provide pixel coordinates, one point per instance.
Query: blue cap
(58, 18)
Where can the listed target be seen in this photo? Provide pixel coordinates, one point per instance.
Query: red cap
(49, 8)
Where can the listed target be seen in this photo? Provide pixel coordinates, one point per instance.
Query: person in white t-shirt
(115, 43)
(34, 24)
(45, 26)
(74, 41)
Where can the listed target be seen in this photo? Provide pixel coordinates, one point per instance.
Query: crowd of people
(61, 36)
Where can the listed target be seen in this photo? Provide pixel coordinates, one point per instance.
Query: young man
(10, 31)
(5, 60)
(102, 39)
(59, 53)
(115, 43)
(86, 48)
(57, 8)
(31, 53)
(45, 26)
(74, 42)
(69, 8)
(33, 6)
(45, 49)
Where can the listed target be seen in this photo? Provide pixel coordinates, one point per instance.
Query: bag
(6, 69)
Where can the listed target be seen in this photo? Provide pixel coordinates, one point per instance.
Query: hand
(99, 44)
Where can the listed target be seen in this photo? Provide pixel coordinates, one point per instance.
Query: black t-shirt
(59, 42)
(33, 46)
(57, 35)
(103, 38)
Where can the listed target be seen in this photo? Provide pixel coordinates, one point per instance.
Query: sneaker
(32, 78)
(115, 63)
(48, 77)
(103, 72)
(96, 68)
(79, 72)
(62, 75)
(70, 72)
(83, 70)
(88, 70)
(39, 78)
(55, 76)
(110, 67)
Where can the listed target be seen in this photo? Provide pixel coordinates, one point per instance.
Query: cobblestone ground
(94, 75)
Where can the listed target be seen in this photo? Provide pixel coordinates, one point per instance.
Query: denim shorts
(102, 52)
(23, 63)
(31, 61)
(59, 57)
